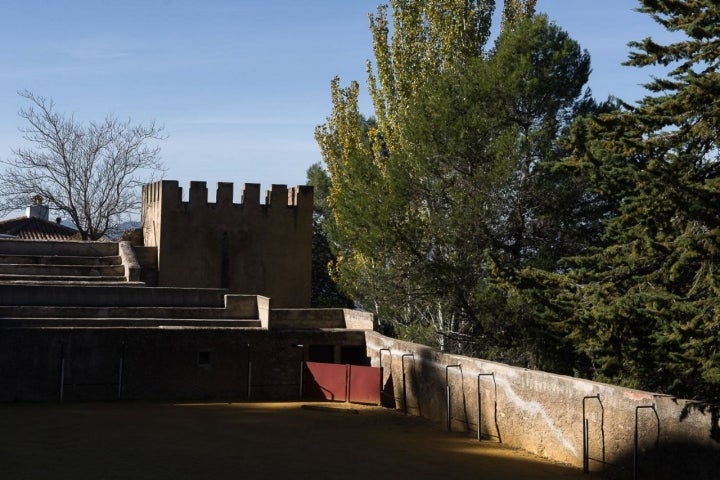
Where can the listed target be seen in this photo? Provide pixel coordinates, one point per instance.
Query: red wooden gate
(341, 383)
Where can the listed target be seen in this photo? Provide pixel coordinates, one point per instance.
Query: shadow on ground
(246, 440)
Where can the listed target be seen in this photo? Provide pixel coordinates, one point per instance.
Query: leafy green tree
(442, 202)
(481, 201)
(515, 11)
(644, 308)
(426, 39)
(325, 292)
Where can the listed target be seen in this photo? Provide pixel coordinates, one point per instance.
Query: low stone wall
(311, 318)
(543, 413)
(147, 259)
(156, 363)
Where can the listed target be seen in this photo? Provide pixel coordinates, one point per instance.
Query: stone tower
(247, 247)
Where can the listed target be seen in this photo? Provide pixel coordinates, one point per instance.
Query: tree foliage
(481, 200)
(515, 11)
(444, 198)
(426, 39)
(644, 309)
(325, 292)
(92, 173)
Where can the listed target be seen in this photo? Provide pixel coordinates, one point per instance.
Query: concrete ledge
(84, 295)
(263, 306)
(129, 261)
(48, 271)
(123, 312)
(147, 258)
(241, 306)
(337, 318)
(50, 322)
(64, 248)
(48, 260)
(357, 320)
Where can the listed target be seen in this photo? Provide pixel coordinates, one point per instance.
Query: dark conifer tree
(645, 307)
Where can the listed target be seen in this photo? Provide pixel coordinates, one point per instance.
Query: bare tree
(92, 173)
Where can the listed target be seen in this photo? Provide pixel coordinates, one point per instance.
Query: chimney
(37, 209)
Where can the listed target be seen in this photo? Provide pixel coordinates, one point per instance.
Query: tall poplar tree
(448, 193)
(427, 38)
(645, 308)
(482, 199)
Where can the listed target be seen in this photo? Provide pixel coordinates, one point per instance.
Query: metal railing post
(447, 393)
(120, 372)
(62, 372)
(302, 366)
(586, 434)
(479, 402)
(402, 359)
(249, 374)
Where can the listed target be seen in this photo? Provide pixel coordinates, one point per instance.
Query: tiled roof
(36, 229)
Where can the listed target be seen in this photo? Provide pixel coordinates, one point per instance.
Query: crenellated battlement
(170, 192)
(248, 247)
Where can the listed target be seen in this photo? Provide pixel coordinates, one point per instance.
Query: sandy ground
(246, 441)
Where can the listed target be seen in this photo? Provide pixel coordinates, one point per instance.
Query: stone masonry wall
(543, 413)
(156, 363)
(249, 248)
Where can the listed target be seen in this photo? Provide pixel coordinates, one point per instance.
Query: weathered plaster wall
(249, 248)
(543, 413)
(157, 363)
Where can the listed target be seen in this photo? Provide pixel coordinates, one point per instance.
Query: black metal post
(120, 372)
(479, 402)
(447, 393)
(586, 446)
(62, 372)
(402, 360)
(249, 375)
(302, 366)
(586, 434)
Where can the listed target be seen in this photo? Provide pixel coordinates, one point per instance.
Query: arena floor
(246, 441)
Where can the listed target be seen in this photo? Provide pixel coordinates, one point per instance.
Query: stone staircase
(90, 284)
(60, 263)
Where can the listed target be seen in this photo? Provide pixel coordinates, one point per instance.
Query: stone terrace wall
(156, 363)
(249, 248)
(543, 413)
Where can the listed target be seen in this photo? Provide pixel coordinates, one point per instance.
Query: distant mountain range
(116, 234)
(123, 227)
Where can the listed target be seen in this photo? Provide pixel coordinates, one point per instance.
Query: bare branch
(90, 172)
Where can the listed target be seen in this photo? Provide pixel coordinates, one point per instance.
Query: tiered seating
(85, 284)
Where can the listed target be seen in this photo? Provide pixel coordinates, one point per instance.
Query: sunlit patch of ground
(246, 440)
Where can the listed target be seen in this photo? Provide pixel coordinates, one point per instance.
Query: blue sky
(239, 85)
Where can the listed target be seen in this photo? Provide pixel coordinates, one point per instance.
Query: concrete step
(50, 260)
(59, 260)
(81, 283)
(125, 312)
(62, 270)
(83, 294)
(52, 322)
(61, 279)
(59, 248)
